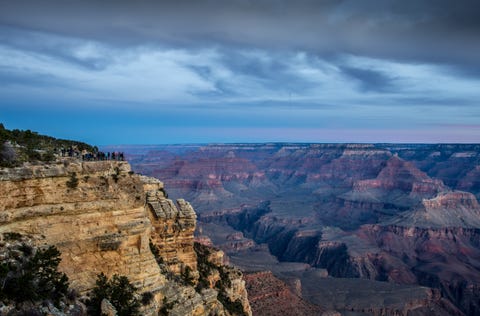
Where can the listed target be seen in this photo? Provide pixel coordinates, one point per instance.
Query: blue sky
(150, 72)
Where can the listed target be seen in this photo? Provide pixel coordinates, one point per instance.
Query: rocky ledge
(104, 218)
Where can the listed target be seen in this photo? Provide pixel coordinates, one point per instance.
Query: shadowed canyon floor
(378, 222)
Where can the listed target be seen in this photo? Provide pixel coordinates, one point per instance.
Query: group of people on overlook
(89, 156)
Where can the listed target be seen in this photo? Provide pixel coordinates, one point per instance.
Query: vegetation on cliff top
(17, 146)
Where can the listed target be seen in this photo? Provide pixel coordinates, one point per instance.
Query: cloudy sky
(192, 71)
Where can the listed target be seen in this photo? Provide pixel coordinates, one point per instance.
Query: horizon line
(292, 143)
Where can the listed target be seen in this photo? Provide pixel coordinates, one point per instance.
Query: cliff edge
(104, 218)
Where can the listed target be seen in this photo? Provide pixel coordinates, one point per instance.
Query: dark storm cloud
(437, 31)
(271, 71)
(370, 80)
(41, 43)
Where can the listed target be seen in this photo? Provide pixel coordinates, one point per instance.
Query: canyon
(384, 219)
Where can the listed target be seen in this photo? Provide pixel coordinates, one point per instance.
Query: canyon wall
(104, 218)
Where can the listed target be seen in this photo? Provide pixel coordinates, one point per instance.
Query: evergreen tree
(33, 278)
(118, 291)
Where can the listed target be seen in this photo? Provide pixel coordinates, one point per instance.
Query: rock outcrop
(172, 228)
(227, 281)
(431, 256)
(446, 210)
(98, 221)
(366, 297)
(270, 296)
(104, 218)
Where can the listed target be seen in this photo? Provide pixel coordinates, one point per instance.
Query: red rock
(270, 296)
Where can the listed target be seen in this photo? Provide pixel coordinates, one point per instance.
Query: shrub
(165, 194)
(234, 307)
(166, 307)
(33, 154)
(48, 156)
(147, 297)
(7, 154)
(11, 236)
(118, 291)
(115, 176)
(73, 182)
(187, 276)
(34, 278)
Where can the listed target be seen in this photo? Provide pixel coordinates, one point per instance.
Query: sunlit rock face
(99, 224)
(104, 218)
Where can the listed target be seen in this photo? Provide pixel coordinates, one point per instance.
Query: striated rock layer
(100, 225)
(104, 218)
(173, 228)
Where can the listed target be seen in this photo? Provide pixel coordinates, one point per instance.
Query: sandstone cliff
(104, 218)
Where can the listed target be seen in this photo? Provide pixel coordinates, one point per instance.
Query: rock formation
(104, 218)
(172, 227)
(270, 296)
(98, 225)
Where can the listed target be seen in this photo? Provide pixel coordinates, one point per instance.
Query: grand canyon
(356, 229)
(240, 158)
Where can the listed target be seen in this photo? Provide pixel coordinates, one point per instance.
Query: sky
(193, 71)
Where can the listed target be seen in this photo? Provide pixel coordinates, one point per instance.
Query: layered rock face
(228, 281)
(366, 297)
(172, 228)
(430, 256)
(356, 210)
(104, 218)
(403, 176)
(99, 224)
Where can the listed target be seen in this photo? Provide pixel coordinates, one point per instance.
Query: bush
(73, 182)
(7, 154)
(166, 307)
(12, 236)
(48, 156)
(33, 154)
(165, 194)
(235, 308)
(33, 278)
(187, 276)
(147, 297)
(118, 291)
